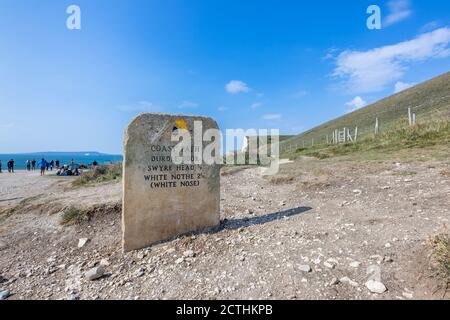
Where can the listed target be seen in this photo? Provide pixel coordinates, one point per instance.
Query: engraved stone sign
(162, 199)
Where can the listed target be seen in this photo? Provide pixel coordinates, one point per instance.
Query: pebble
(249, 212)
(304, 268)
(189, 254)
(4, 294)
(349, 281)
(82, 242)
(104, 262)
(376, 286)
(408, 295)
(94, 273)
(180, 260)
(334, 281)
(355, 264)
(139, 273)
(74, 297)
(330, 263)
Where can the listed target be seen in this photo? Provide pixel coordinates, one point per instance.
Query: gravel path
(318, 230)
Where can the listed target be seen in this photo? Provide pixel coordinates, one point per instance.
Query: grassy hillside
(430, 99)
(424, 135)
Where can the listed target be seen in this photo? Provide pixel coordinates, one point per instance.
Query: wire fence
(372, 124)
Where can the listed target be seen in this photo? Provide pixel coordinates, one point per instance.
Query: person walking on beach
(43, 166)
(33, 164)
(57, 164)
(51, 165)
(11, 166)
(28, 165)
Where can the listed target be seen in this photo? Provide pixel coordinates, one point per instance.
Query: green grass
(72, 216)
(400, 136)
(100, 174)
(429, 99)
(440, 259)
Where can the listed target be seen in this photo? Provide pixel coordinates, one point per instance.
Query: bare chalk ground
(317, 230)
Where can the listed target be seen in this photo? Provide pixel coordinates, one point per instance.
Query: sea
(63, 157)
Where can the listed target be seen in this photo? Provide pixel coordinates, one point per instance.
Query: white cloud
(272, 117)
(356, 103)
(140, 106)
(236, 86)
(399, 10)
(256, 105)
(432, 25)
(372, 70)
(188, 105)
(401, 86)
(222, 109)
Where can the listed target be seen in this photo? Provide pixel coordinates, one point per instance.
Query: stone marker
(162, 199)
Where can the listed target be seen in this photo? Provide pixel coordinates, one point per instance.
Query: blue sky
(249, 64)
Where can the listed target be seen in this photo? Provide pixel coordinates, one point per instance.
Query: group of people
(31, 165)
(10, 165)
(66, 170)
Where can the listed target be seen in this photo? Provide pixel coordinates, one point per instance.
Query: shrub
(100, 174)
(440, 258)
(72, 215)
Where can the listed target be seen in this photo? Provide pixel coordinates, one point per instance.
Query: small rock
(357, 191)
(104, 262)
(74, 297)
(408, 295)
(140, 255)
(189, 254)
(94, 273)
(349, 281)
(334, 281)
(355, 264)
(282, 203)
(388, 259)
(4, 294)
(180, 260)
(376, 286)
(139, 273)
(249, 212)
(388, 245)
(330, 263)
(304, 268)
(82, 242)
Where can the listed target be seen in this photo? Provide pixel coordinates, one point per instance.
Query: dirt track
(345, 220)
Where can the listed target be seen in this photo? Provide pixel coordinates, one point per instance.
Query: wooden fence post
(410, 116)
